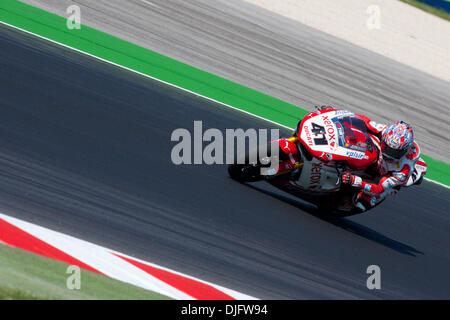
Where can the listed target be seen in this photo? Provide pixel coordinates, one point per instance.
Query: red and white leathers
(394, 173)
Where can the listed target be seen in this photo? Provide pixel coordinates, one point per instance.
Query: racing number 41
(319, 134)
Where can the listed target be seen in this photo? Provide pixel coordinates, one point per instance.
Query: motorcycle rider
(386, 159)
(398, 155)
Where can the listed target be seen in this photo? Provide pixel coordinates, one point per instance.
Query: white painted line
(145, 75)
(438, 183)
(167, 83)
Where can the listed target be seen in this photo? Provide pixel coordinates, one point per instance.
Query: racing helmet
(397, 140)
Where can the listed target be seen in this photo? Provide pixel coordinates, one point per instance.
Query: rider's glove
(351, 179)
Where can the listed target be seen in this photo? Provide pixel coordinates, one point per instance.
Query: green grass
(26, 276)
(425, 7)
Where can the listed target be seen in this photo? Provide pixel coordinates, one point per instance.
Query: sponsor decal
(340, 132)
(286, 146)
(309, 140)
(316, 173)
(341, 112)
(330, 131)
(356, 147)
(355, 155)
(367, 187)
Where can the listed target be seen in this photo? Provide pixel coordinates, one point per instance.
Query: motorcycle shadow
(344, 223)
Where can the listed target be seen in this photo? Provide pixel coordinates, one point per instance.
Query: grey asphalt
(85, 150)
(277, 56)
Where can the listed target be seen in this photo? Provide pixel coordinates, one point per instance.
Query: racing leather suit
(394, 173)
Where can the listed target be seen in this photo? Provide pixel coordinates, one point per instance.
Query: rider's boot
(363, 202)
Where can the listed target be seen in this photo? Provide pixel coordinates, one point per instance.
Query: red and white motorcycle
(309, 164)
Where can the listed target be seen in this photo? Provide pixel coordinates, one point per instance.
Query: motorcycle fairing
(336, 135)
(318, 176)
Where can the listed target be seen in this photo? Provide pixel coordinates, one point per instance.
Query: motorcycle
(310, 163)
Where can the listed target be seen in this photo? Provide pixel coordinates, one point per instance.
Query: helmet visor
(392, 153)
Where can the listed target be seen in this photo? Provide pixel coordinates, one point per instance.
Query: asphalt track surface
(85, 150)
(278, 56)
